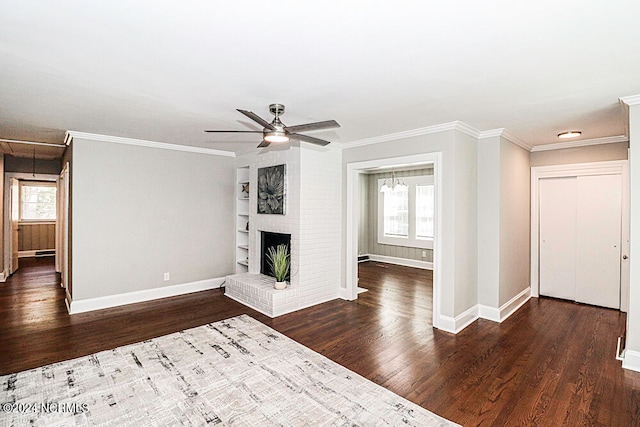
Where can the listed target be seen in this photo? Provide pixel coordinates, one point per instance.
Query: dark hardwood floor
(550, 364)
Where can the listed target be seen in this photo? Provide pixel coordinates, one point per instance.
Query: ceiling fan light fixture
(276, 136)
(569, 134)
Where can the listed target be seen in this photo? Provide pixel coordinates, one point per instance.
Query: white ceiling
(166, 70)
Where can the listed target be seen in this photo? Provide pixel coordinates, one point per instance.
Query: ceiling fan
(277, 132)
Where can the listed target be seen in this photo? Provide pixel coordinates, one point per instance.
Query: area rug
(233, 372)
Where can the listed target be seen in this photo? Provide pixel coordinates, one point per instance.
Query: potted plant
(278, 260)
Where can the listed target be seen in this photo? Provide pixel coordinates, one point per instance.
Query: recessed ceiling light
(570, 134)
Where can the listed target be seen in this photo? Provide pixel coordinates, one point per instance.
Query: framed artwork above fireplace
(272, 190)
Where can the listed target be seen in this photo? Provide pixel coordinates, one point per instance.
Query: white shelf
(242, 218)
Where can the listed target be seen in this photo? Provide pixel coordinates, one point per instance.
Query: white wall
(632, 354)
(139, 212)
(320, 231)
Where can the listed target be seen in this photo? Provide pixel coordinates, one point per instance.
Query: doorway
(353, 218)
(24, 218)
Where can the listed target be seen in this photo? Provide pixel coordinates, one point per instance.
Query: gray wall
(368, 229)
(139, 212)
(503, 221)
(515, 221)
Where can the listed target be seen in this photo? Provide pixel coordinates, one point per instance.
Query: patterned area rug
(233, 372)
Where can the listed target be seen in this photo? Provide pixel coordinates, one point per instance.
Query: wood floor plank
(550, 364)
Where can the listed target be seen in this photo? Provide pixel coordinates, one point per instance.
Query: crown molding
(582, 143)
(502, 132)
(143, 143)
(457, 125)
(515, 140)
(630, 100)
(467, 130)
(401, 135)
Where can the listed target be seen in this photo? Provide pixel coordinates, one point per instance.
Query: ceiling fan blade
(310, 139)
(256, 118)
(327, 124)
(264, 144)
(233, 131)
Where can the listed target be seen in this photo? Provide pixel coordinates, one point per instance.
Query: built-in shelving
(243, 193)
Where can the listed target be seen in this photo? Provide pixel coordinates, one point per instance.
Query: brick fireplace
(312, 224)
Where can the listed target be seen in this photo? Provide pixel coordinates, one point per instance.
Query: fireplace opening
(268, 240)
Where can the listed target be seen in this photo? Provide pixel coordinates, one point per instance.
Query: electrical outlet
(424, 254)
(167, 276)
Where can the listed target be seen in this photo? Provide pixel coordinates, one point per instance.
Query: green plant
(278, 260)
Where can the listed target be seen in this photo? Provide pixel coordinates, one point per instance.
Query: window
(406, 214)
(396, 212)
(37, 201)
(424, 211)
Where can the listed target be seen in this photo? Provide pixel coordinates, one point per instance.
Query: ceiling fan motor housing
(276, 109)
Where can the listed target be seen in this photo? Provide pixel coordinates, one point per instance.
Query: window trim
(411, 240)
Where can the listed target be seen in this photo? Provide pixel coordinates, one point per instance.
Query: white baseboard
(461, 321)
(425, 265)
(343, 294)
(81, 306)
(478, 311)
(3, 276)
(507, 309)
(631, 360)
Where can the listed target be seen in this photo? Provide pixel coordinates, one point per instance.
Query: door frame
(7, 208)
(614, 167)
(62, 227)
(350, 292)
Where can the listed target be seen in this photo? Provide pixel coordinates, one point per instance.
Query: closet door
(598, 240)
(558, 237)
(580, 238)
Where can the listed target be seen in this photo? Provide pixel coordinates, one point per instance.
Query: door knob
(624, 257)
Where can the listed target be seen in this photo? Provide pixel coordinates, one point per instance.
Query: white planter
(280, 285)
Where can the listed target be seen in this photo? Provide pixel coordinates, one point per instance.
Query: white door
(598, 251)
(558, 237)
(580, 237)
